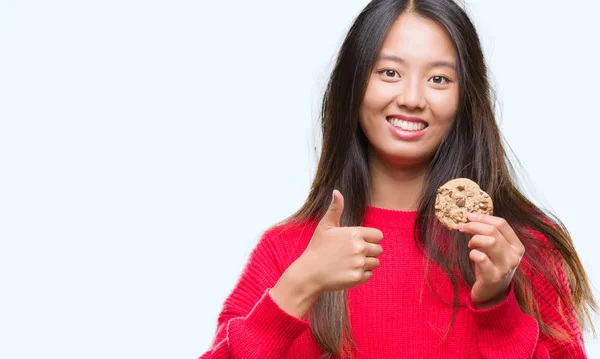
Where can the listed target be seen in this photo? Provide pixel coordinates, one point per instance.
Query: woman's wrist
(492, 302)
(295, 293)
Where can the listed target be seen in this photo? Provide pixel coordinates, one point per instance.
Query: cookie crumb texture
(459, 197)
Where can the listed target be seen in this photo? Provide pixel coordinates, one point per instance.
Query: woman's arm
(251, 324)
(505, 331)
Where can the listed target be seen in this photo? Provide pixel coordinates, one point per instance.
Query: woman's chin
(407, 156)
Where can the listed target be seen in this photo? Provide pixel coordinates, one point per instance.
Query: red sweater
(387, 317)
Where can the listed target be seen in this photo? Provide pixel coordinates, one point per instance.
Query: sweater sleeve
(251, 324)
(506, 332)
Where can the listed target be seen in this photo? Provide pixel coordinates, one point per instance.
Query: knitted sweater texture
(396, 314)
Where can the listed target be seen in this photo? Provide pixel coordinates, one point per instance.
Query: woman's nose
(411, 95)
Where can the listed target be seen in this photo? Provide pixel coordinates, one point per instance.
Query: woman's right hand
(336, 258)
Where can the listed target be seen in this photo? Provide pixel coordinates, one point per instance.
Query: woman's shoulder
(288, 239)
(535, 231)
(290, 231)
(542, 246)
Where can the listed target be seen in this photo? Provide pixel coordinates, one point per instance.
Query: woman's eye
(388, 73)
(440, 80)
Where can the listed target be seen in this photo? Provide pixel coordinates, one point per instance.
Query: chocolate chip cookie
(459, 197)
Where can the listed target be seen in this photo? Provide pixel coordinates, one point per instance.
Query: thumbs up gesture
(341, 257)
(336, 258)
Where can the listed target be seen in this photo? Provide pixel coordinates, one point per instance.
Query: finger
(482, 229)
(334, 212)
(500, 224)
(370, 235)
(371, 263)
(490, 240)
(366, 276)
(484, 263)
(373, 250)
(491, 246)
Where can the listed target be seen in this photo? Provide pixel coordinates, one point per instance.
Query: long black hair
(473, 148)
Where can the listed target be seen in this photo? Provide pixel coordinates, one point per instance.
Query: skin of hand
(496, 254)
(336, 258)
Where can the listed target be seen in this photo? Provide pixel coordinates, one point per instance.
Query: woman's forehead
(416, 38)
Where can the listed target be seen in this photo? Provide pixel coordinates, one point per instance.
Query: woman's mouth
(406, 125)
(406, 130)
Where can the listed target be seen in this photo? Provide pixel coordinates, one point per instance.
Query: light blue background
(145, 146)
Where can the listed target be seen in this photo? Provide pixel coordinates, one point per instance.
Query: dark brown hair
(473, 148)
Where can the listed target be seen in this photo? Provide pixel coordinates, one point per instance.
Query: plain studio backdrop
(146, 145)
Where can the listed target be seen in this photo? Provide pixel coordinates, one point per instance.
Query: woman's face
(412, 93)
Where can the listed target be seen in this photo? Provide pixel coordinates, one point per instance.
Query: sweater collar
(389, 217)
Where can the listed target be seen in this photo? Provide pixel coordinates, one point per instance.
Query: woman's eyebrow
(433, 64)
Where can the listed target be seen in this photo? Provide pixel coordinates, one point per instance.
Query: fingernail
(332, 196)
(461, 226)
(472, 215)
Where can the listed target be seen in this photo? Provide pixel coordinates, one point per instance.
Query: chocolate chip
(460, 188)
(460, 202)
(483, 206)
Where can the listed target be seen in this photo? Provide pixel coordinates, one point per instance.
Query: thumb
(334, 212)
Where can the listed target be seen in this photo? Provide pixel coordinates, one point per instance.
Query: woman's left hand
(496, 253)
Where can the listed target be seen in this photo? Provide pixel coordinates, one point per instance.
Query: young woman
(364, 269)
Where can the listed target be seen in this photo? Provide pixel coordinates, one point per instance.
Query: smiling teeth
(406, 125)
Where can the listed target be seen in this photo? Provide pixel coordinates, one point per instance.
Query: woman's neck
(394, 187)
